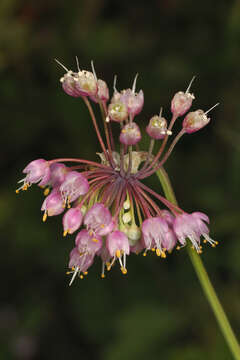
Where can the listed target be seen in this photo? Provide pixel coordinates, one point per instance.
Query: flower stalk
(203, 278)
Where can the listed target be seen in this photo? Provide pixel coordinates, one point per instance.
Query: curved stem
(81, 161)
(205, 282)
(96, 126)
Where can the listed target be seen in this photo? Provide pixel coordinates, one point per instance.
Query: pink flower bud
(86, 84)
(58, 174)
(99, 220)
(157, 127)
(69, 84)
(117, 111)
(73, 186)
(53, 204)
(182, 102)
(130, 134)
(72, 220)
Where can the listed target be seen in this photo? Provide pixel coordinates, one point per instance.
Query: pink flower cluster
(114, 212)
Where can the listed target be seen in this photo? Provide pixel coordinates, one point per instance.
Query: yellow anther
(102, 226)
(44, 216)
(144, 254)
(25, 187)
(158, 252)
(153, 249)
(81, 276)
(65, 232)
(205, 241)
(68, 272)
(103, 276)
(95, 240)
(216, 242)
(213, 245)
(46, 191)
(118, 253)
(73, 268)
(163, 255)
(90, 232)
(85, 272)
(178, 248)
(17, 191)
(123, 270)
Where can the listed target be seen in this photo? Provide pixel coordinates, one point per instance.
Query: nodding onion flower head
(107, 203)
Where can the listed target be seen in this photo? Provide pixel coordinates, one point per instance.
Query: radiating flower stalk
(107, 203)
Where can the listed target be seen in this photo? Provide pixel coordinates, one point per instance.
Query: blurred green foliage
(158, 310)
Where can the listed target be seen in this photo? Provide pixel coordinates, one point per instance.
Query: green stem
(204, 279)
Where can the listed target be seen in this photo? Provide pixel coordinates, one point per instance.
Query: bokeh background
(158, 310)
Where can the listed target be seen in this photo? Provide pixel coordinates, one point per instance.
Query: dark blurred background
(158, 310)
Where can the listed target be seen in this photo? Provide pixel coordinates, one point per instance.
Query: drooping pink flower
(53, 204)
(37, 171)
(79, 263)
(154, 231)
(74, 185)
(99, 220)
(192, 227)
(58, 174)
(72, 220)
(118, 247)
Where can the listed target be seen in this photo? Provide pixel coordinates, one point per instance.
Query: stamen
(114, 83)
(64, 67)
(93, 70)
(46, 191)
(211, 108)
(134, 84)
(187, 91)
(77, 64)
(118, 253)
(74, 275)
(44, 216)
(65, 232)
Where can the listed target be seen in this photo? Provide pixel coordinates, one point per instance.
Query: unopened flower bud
(130, 134)
(127, 217)
(182, 101)
(117, 111)
(157, 127)
(133, 234)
